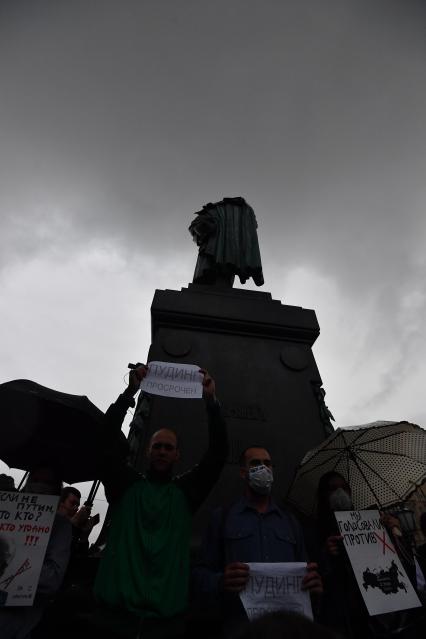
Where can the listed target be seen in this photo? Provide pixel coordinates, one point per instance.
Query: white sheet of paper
(276, 586)
(25, 524)
(380, 575)
(171, 379)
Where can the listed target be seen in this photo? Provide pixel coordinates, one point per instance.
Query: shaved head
(168, 432)
(163, 452)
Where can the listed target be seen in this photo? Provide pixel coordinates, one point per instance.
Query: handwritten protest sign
(273, 587)
(381, 578)
(25, 524)
(173, 380)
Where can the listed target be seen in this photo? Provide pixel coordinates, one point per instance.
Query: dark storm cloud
(121, 119)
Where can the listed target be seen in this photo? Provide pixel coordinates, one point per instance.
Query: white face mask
(340, 500)
(260, 479)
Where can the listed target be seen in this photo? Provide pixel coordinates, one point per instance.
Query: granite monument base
(259, 353)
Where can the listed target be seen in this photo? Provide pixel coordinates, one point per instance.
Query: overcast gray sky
(119, 119)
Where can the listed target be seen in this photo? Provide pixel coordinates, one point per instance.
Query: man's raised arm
(198, 482)
(116, 474)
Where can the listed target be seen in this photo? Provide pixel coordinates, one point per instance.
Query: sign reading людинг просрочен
(276, 586)
(173, 380)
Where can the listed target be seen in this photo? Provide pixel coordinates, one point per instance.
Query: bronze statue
(226, 234)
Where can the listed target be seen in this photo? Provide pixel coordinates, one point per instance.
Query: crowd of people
(144, 585)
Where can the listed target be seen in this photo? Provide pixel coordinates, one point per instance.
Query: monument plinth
(259, 352)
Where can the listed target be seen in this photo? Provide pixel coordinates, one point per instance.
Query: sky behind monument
(119, 119)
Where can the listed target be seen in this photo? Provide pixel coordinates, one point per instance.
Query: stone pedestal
(259, 352)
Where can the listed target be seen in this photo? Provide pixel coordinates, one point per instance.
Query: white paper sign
(276, 586)
(25, 524)
(173, 380)
(381, 578)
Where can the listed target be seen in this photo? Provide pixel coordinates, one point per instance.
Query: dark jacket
(196, 484)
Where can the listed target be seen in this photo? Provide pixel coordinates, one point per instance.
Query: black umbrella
(41, 426)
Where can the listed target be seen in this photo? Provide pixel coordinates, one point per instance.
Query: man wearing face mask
(254, 529)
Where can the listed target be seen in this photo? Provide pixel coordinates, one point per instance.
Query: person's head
(163, 452)
(334, 493)
(44, 480)
(256, 469)
(69, 501)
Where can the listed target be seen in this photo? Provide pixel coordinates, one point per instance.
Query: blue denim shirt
(241, 533)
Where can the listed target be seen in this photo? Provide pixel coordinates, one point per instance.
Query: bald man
(142, 580)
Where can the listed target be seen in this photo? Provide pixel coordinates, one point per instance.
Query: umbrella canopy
(41, 426)
(381, 462)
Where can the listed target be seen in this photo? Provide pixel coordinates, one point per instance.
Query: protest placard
(276, 586)
(173, 380)
(25, 524)
(382, 580)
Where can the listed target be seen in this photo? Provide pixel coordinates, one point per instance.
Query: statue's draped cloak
(227, 237)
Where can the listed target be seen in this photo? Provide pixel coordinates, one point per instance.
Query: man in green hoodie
(142, 580)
